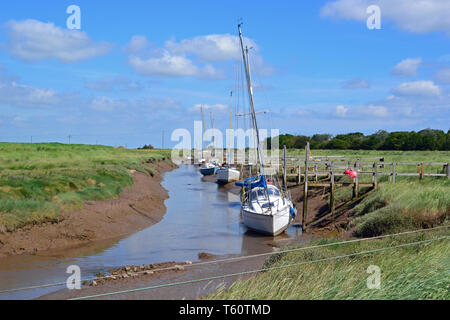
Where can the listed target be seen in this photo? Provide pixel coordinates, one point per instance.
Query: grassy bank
(406, 205)
(37, 181)
(415, 272)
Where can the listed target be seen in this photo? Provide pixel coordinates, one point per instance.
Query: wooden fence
(310, 172)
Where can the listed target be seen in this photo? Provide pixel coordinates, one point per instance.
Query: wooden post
(284, 168)
(375, 175)
(299, 172)
(332, 202)
(305, 190)
(316, 174)
(394, 173)
(422, 171)
(448, 170)
(356, 182)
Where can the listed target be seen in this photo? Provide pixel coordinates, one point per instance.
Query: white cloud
(194, 57)
(407, 67)
(107, 104)
(356, 83)
(419, 16)
(32, 40)
(20, 95)
(209, 108)
(443, 75)
(143, 107)
(137, 44)
(417, 88)
(341, 111)
(377, 111)
(114, 84)
(212, 48)
(168, 65)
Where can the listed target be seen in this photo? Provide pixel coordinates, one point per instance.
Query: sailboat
(210, 167)
(227, 173)
(265, 208)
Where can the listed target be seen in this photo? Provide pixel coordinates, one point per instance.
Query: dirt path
(138, 207)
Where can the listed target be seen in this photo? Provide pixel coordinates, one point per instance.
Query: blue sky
(139, 67)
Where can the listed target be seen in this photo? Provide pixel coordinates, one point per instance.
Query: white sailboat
(227, 173)
(265, 208)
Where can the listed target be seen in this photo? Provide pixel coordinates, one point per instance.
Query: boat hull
(271, 225)
(226, 175)
(208, 171)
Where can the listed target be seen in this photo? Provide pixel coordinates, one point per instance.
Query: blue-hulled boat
(209, 169)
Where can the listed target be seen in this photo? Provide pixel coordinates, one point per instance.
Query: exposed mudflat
(134, 209)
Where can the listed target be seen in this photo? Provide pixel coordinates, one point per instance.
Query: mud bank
(187, 274)
(136, 208)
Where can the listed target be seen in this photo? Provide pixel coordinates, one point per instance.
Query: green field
(417, 272)
(37, 181)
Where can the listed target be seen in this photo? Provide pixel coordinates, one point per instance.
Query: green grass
(37, 181)
(415, 272)
(402, 206)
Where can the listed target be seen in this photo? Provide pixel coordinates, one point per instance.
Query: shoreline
(136, 208)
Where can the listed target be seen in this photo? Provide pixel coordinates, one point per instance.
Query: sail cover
(253, 182)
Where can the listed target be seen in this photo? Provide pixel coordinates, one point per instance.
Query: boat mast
(203, 125)
(250, 95)
(231, 119)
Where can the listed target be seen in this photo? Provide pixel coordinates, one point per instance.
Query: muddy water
(201, 217)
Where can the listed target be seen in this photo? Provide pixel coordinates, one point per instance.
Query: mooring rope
(236, 258)
(259, 270)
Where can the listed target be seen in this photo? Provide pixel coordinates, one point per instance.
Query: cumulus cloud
(208, 107)
(356, 83)
(168, 65)
(194, 57)
(140, 105)
(32, 40)
(443, 75)
(418, 88)
(407, 67)
(20, 95)
(413, 16)
(114, 84)
(361, 111)
(213, 48)
(341, 111)
(377, 111)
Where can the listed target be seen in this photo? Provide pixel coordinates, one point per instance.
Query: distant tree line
(427, 139)
(147, 147)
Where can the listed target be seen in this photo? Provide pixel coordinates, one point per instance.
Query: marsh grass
(416, 272)
(403, 206)
(37, 181)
